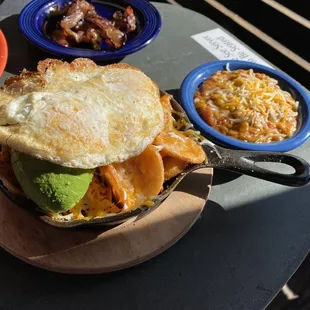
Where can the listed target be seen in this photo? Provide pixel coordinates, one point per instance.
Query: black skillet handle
(244, 162)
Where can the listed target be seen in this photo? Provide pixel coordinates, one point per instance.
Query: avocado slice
(52, 187)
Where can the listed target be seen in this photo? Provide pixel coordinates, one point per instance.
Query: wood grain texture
(86, 251)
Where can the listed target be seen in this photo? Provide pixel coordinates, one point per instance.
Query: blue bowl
(35, 14)
(203, 72)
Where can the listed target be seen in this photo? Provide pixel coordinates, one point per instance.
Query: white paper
(223, 46)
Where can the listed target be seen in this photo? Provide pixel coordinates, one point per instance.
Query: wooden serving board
(103, 250)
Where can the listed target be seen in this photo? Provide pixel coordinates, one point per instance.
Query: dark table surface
(250, 239)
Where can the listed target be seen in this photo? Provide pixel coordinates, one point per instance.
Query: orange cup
(3, 52)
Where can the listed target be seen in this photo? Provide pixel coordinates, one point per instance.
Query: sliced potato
(145, 173)
(137, 179)
(151, 168)
(177, 145)
(113, 178)
(173, 166)
(165, 102)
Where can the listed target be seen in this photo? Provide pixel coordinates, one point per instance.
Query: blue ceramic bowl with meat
(95, 29)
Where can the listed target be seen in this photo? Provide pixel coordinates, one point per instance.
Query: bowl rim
(3, 52)
(199, 74)
(37, 37)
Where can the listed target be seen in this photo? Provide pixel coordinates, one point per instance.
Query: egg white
(80, 114)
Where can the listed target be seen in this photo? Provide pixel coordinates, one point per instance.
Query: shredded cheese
(247, 106)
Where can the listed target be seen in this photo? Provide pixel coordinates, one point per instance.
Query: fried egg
(80, 114)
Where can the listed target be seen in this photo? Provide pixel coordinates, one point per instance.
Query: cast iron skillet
(217, 157)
